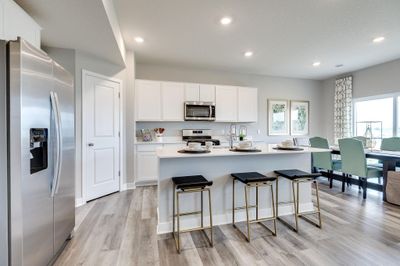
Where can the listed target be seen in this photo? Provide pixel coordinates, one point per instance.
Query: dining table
(388, 159)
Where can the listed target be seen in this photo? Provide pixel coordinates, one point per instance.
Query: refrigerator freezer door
(64, 199)
(32, 227)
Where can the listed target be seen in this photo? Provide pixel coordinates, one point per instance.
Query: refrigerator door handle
(60, 143)
(54, 108)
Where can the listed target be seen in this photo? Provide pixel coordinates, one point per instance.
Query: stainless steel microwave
(199, 111)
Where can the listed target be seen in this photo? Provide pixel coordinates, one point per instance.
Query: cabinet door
(173, 97)
(147, 166)
(207, 93)
(226, 103)
(148, 100)
(192, 92)
(247, 104)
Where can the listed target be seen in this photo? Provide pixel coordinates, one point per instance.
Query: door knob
(91, 144)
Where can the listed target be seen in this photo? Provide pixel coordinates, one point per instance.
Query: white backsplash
(174, 130)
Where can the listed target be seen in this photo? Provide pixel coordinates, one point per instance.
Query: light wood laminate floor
(120, 229)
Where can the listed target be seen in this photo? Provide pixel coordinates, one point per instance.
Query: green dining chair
(362, 139)
(323, 160)
(388, 144)
(354, 163)
(391, 144)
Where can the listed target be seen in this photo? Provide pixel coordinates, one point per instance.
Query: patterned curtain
(343, 108)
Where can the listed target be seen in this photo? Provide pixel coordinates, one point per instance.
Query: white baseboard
(128, 186)
(226, 218)
(142, 183)
(79, 202)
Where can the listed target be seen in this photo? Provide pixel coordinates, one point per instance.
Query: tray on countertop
(194, 151)
(237, 149)
(288, 148)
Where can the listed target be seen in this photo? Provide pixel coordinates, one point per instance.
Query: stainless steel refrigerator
(37, 153)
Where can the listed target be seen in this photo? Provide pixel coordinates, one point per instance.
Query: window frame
(394, 96)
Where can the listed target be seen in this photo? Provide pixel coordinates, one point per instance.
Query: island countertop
(267, 149)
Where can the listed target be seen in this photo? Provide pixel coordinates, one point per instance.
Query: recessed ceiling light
(139, 39)
(226, 20)
(248, 54)
(315, 64)
(378, 39)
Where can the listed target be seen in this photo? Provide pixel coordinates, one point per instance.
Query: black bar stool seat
(298, 177)
(253, 180)
(296, 174)
(185, 185)
(250, 177)
(192, 181)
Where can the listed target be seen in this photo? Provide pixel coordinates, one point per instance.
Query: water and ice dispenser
(39, 147)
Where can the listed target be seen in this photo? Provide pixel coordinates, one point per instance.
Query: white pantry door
(102, 127)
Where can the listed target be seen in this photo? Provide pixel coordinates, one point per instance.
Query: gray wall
(377, 80)
(75, 62)
(65, 57)
(268, 88)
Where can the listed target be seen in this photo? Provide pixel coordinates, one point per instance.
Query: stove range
(199, 135)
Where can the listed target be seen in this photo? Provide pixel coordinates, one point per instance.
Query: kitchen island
(217, 166)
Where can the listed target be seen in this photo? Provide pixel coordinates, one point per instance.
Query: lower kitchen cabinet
(146, 166)
(146, 163)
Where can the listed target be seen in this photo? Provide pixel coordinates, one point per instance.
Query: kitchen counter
(217, 167)
(267, 149)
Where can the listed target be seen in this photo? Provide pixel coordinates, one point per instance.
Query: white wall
(15, 22)
(377, 80)
(75, 62)
(268, 88)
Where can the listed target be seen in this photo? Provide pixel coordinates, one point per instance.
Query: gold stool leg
(273, 209)
(257, 201)
(178, 224)
(202, 209)
(211, 223)
(173, 211)
(277, 199)
(233, 202)
(318, 207)
(295, 206)
(247, 212)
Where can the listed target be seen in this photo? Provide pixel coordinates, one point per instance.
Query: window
(376, 113)
(398, 116)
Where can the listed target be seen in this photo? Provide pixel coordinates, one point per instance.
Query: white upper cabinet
(173, 97)
(226, 103)
(207, 93)
(148, 100)
(164, 101)
(247, 104)
(199, 92)
(192, 92)
(15, 22)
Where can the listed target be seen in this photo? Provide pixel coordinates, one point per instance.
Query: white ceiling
(73, 24)
(286, 36)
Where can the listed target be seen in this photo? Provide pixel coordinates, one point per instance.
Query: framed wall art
(299, 118)
(278, 117)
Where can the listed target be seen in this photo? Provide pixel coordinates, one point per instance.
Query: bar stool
(253, 179)
(190, 184)
(297, 177)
